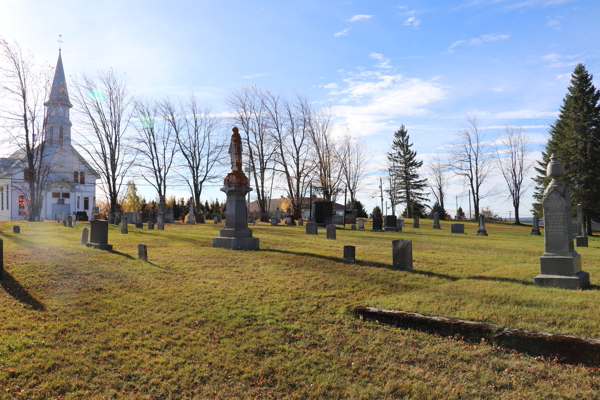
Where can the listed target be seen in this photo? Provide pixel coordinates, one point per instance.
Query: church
(71, 182)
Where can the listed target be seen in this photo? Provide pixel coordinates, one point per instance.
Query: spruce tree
(410, 188)
(575, 139)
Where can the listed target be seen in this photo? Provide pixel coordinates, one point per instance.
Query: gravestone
(131, 217)
(289, 221)
(16, 229)
(581, 240)
(560, 265)
(65, 224)
(311, 228)
(70, 221)
(481, 230)
(143, 252)
(191, 215)
(458, 228)
(62, 216)
(99, 235)
(402, 254)
(350, 219)
(140, 221)
(436, 221)
(416, 222)
(377, 224)
(110, 218)
(160, 223)
(84, 236)
(277, 215)
(353, 227)
(535, 226)
(321, 210)
(1, 258)
(338, 220)
(124, 229)
(200, 218)
(331, 232)
(150, 225)
(361, 224)
(300, 222)
(350, 254)
(390, 223)
(255, 222)
(169, 218)
(236, 235)
(117, 219)
(400, 224)
(274, 221)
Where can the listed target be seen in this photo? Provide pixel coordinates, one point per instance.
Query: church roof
(59, 93)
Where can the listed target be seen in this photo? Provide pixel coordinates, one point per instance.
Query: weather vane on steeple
(61, 42)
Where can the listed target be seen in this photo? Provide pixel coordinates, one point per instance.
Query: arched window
(82, 177)
(61, 137)
(77, 202)
(75, 176)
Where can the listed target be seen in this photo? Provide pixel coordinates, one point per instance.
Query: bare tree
(289, 128)
(25, 86)
(157, 144)
(353, 156)
(324, 147)
(251, 115)
(471, 159)
(512, 157)
(196, 130)
(439, 179)
(104, 104)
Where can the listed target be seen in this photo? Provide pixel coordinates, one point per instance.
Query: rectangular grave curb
(567, 348)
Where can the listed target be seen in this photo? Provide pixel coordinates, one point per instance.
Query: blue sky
(424, 64)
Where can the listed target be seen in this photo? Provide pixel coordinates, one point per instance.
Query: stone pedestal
(402, 254)
(191, 216)
(331, 233)
(481, 231)
(350, 254)
(560, 265)
(236, 235)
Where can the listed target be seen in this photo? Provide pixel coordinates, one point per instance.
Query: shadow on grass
(19, 293)
(499, 279)
(133, 258)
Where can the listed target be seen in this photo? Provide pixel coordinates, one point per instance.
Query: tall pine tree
(404, 167)
(575, 139)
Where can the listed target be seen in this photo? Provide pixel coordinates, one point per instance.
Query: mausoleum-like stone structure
(560, 265)
(236, 235)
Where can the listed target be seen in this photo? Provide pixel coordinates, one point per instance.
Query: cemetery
(159, 309)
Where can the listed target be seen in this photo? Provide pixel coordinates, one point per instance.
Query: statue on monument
(236, 177)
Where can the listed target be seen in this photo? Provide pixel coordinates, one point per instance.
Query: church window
(66, 195)
(50, 137)
(78, 202)
(75, 176)
(82, 177)
(86, 203)
(56, 195)
(61, 137)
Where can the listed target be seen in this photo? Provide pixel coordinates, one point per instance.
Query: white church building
(71, 183)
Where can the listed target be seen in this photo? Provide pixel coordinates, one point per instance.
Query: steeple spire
(59, 93)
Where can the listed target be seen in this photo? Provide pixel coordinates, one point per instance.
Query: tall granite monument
(236, 235)
(560, 265)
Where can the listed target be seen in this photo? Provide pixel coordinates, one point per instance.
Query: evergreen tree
(437, 208)
(376, 212)
(575, 139)
(359, 208)
(460, 214)
(404, 167)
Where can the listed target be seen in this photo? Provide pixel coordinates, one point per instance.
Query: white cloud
(379, 97)
(477, 41)
(343, 32)
(376, 56)
(401, 7)
(413, 21)
(331, 86)
(341, 70)
(517, 114)
(564, 77)
(253, 76)
(551, 57)
(554, 23)
(360, 17)
(383, 62)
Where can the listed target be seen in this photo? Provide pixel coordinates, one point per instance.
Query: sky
(425, 64)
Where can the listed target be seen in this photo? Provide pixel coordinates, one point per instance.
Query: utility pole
(509, 216)
(381, 188)
(345, 194)
(456, 205)
(310, 205)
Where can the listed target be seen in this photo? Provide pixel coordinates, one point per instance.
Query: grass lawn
(198, 322)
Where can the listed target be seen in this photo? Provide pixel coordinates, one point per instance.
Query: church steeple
(59, 93)
(58, 127)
